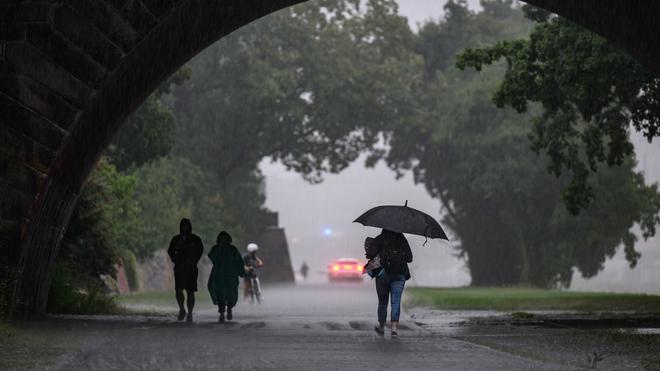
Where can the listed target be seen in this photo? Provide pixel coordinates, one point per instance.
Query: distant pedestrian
(185, 251)
(304, 269)
(223, 282)
(394, 253)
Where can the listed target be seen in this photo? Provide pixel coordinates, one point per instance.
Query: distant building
(274, 250)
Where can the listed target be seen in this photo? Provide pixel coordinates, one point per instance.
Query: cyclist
(252, 264)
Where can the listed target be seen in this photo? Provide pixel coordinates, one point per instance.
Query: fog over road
(297, 328)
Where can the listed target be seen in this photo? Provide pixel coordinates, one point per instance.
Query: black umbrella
(402, 219)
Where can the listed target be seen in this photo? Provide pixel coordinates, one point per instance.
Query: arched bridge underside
(72, 71)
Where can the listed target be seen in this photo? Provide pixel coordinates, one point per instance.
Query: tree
(172, 188)
(309, 86)
(316, 85)
(149, 132)
(497, 197)
(591, 95)
(147, 135)
(89, 244)
(100, 230)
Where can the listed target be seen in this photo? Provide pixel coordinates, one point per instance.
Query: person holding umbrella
(389, 254)
(394, 252)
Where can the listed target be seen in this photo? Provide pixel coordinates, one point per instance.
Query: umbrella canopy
(402, 219)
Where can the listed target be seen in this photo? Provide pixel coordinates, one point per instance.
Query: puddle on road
(639, 331)
(253, 325)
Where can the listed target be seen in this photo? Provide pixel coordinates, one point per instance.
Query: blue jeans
(389, 285)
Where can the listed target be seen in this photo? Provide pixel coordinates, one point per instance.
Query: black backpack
(394, 259)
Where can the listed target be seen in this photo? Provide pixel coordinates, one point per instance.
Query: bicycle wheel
(250, 291)
(257, 289)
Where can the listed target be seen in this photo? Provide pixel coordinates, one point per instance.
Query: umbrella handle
(426, 238)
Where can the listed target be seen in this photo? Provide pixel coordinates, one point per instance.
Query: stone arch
(105, 57)
(72, 71)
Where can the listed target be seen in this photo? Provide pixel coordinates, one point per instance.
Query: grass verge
(156, 302)
(519, 299)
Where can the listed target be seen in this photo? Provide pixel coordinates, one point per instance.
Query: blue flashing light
(327, 231)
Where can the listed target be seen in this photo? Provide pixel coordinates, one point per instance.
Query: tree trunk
(525, 264)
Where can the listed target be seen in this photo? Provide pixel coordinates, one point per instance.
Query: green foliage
(439, 42)
(130, 265)
(316, 85)
(520, 299)
(173, 187)
(159, 300)
(101, 226)
(147, 135)
(309, 86)
(497, 197)
(163, 200)
(149, 132)
(73, 292)
(90, 243)
(590, 92)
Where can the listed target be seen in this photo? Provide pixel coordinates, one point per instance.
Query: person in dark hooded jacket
(185, 251)
(393, 251)
(223, 281)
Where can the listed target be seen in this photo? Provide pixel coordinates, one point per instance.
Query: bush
(89, 248)
(131, 268)
(72, 293)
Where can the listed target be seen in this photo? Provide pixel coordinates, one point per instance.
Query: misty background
(317, 218)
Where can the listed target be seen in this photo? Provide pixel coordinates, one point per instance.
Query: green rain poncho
(227, 267)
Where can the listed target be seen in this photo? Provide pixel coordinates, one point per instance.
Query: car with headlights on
(345, 269)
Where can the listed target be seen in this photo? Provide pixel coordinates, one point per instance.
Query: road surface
(296, 328)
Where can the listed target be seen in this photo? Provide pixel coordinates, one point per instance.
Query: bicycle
(254, 290)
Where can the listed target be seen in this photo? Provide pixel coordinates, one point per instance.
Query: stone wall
(274, 251)
(156, 274)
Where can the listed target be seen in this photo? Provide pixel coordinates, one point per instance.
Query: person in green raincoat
(223, 282)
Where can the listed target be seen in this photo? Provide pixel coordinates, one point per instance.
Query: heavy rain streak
(329, 184)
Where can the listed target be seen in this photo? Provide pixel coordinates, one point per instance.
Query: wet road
(297, 328)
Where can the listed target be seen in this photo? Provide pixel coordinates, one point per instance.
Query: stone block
(17, 175)
(10, 239)
(24, 12)
(15, 204)
(37, 97)
(67, 55)
(22, 120)
(84, 35)
(117, 4)
(138, 17)
(12, 32)
(25, 149)
(159, 8)
(274, 250)
(157, 273)
(27, 60)
(109, 21)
